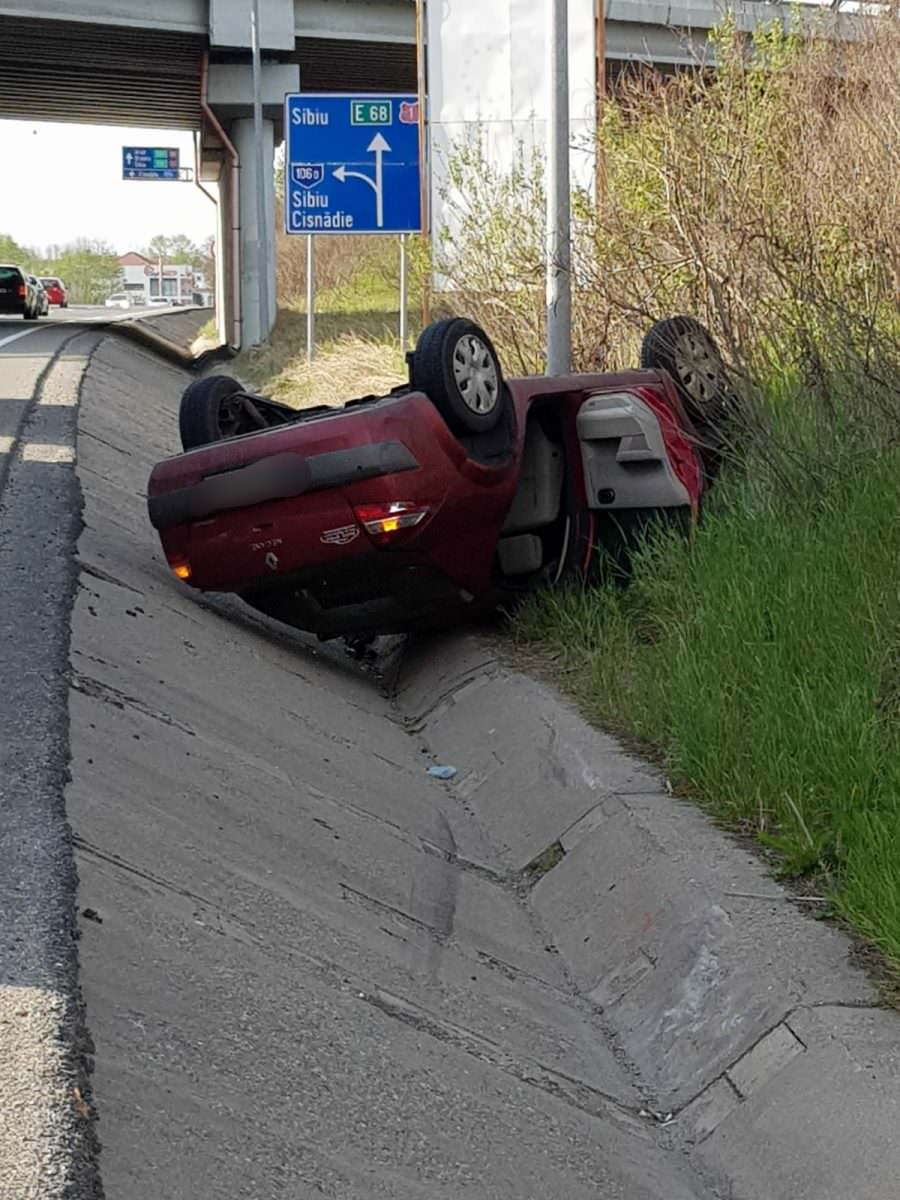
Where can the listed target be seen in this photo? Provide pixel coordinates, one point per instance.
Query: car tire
(456, 366)
(687, 350)
(205, 415)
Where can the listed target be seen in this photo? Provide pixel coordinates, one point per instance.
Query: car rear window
(10, 274)
(50, 282)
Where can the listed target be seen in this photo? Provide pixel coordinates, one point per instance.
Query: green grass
(762, 661)
(209, 330)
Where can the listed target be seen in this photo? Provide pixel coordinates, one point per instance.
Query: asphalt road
(79, 313)
(45, 1142)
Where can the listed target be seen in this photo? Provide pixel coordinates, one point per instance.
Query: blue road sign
(352, 164)
(150, 162)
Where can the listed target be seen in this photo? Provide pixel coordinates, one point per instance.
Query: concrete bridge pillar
(230, 96)
(257, 247)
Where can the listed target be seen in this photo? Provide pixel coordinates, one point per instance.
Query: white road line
(15, 336)
(47, 452)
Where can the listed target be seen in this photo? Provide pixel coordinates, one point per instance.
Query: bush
(763, 198)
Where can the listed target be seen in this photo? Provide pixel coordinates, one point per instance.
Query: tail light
(180, 566)
(384, 521)
(22, 291)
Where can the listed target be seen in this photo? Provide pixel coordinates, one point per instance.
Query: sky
(75, 188)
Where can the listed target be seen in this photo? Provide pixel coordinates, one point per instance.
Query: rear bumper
(12, 307)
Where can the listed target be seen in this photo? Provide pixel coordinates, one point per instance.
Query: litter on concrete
(442, 772)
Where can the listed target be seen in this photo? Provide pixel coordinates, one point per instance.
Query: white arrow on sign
(129, 158)
(377, 146)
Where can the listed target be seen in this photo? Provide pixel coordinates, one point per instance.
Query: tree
(12, 252)
(89, 268)
(175, 248)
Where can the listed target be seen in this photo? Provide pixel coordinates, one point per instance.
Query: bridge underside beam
(67, 71)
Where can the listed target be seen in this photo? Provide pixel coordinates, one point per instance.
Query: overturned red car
(446, 499)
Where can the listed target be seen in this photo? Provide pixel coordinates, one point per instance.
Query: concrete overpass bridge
(185, 64)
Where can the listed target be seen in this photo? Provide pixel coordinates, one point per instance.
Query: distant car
(43, 302)
(118, 300)
(457, 493)
(160, 301)
(56, 290)
(18, 293)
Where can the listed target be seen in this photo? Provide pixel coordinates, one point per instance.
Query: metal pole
(404, 291)
(424, 157)
(262, 240)
(559, 279)
(600, 160)
(310, 297)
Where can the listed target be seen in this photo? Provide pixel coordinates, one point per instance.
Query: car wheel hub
(475, 373)
(698, 366)
(231, 412)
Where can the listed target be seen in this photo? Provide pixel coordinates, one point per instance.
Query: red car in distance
(451, 497)
(56, 291)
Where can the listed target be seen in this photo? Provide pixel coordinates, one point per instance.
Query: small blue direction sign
(352, 164)
(150, 162)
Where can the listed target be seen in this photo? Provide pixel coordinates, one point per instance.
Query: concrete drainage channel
(310, 969)
(756, 1048)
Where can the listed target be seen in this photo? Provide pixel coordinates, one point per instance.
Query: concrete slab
(822, 1127)
(504, 750)
(770, 1055)
(306, 969)
(649, 906)
(743, 1024)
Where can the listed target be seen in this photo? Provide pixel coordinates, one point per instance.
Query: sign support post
(404, 291)
(310, 297)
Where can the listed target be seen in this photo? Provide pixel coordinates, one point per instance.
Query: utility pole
(559, 274)
(600, 160)
(262, 223)
(424, 175)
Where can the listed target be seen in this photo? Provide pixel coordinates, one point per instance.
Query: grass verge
(762, 662)
(357, 348)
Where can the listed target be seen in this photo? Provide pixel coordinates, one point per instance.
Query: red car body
(56, 291)
(375, 518)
